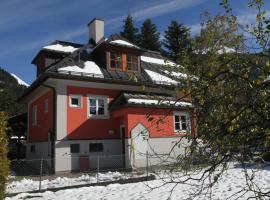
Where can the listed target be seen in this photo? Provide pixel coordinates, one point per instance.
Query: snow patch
(61, 48)
(159, 102)
(122, 42)
(90, 69)
(156, 61)
(20, 81)
(159, 78)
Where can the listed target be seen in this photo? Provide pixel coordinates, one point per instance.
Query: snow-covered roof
(156, 61)
(61, 48)
(122, 42)
(159, 78)
(159, 102)
(90, 68)
(20, 81)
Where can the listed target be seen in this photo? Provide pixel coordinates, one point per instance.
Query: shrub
(3, 155)
(266, 156)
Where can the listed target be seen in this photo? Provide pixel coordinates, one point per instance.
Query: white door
(139, 145)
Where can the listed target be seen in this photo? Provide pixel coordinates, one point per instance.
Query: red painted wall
(39, 132)
(162, 124)
(79, 126)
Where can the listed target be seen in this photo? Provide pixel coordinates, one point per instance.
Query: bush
(3, 155)
(266, 156)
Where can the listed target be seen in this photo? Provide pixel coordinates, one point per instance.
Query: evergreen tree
(149, 36)
(130, 32)
(176, 40)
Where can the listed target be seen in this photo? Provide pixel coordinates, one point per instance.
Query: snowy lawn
(26, 185)
(230, 183)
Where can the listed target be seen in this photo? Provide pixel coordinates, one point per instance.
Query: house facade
(107, 98)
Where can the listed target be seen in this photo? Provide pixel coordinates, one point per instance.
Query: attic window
(115, 60)
(132, 62)
(123, 61)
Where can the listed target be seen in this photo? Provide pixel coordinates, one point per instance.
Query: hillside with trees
(10, 90)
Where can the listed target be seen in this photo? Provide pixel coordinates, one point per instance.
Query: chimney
(96, 30)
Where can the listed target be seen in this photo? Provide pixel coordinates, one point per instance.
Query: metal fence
(96, 168)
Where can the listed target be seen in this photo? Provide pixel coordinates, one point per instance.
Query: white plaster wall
(161, 151)
(42, 150)
(109, 158)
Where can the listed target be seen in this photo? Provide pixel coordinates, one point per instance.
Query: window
(75, 101)
(132, 62)
(123, 61)
(32, 148)
(34, 115)
(96, 147)
(97, 106)
(46, 106)
(181, 122)
(115, 60)
(74, 148)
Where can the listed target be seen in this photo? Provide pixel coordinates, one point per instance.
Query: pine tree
(130, 32)
(176, 40)
(149, 36)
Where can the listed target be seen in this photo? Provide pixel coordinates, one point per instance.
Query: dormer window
(123, 61)
(132, 62)
(116, 60)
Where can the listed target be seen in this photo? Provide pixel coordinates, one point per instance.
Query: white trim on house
(188, 124)
(106, 108)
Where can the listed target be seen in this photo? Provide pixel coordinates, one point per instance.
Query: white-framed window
(34, 115)
(46, 105)
(97, 106)
(181, 122)
(75, 101)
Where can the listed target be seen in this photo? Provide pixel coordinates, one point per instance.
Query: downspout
(53, 132)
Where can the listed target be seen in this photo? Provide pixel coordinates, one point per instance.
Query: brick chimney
(96, 30)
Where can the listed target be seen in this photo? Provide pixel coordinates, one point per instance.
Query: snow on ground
(61, 48)
(25, 185)
(20, 81)
(90, 68)
(230, 183)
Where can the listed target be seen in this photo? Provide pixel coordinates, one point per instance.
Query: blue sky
(27, 25)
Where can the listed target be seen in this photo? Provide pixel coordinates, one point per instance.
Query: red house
(108, 97)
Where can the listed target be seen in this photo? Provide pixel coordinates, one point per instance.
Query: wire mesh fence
(73, 170)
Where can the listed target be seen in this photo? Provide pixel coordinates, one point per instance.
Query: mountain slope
(20, 81)
(10, 90)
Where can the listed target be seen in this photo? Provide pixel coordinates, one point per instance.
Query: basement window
(74, 148)
(96, 147)
(33, 148)
(75, 101)
(181, 122)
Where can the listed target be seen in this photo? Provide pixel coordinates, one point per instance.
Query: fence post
(40, 175)
(147, 164)
(97, 168)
